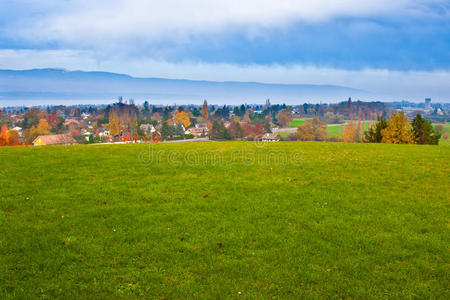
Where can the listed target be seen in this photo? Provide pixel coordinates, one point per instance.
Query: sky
(396, 48)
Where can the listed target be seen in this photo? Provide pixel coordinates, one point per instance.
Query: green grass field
(297, 122)
(333, 131)
(225, 220)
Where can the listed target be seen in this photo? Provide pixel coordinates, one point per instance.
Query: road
(190, 140)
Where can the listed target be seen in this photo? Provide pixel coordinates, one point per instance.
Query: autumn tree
(439, 129)
(235, 130)
(246, 117)
(53, 119)
(114, 126)
(4, 135)
(204, 111)
(312, 130)
(13, 137)
(398, 130)
(123, 120)
(183, 118)
(349, 134)
(43, 126)
(284, 117)
(31, 117)
(235, 119)
(423, 132)
(31, 134)
(156, 116)
(258, 129)
(333, 118)
(247, 129)
(359, 130)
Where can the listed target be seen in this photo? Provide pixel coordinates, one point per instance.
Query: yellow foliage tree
(183, 118)
(43, 126)
(398, 130)
(235, 119)
(114, 126)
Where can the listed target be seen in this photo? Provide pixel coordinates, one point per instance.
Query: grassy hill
(225, 220)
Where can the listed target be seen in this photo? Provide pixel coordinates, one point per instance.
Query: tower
(427, 103)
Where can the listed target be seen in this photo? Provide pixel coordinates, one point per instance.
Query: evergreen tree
(239, 130)
(267, 127)
(167, 131)
(373, 135)
(179, 130)
(219, 132)
(423, 132)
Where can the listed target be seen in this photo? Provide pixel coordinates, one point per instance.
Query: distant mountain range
(57, 86)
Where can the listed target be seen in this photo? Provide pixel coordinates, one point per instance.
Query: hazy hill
(42, 86)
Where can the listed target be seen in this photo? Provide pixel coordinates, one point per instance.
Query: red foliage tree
(52, 119)
(258, 129)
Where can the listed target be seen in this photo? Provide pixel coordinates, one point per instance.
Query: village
(126, 122)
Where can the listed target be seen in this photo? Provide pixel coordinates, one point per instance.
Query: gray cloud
(394, 85)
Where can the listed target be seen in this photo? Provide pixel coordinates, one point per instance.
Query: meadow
(225, 220)
(333, 130)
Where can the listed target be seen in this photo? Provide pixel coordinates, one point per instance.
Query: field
(333, 130)
(297, 122)
(225, 220)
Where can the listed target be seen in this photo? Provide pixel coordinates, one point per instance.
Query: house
(18, 130)
(199, 130)
(56, 139)
(270, 137)
(147, 128)
(69, 122)
(202, 125)
(103, 133)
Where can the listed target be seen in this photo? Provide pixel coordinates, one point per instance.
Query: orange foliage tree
(8, 137)
(246, 117)
(204, 111)
(156, 116)
(349, 134)
(284, 117)
(4, 136)
(312, 130)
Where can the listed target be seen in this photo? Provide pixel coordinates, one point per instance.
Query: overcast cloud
(400, 48)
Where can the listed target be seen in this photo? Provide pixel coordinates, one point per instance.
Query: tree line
(395, 130)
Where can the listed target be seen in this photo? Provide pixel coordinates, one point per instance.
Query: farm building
(270, 137)
(56, 139)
